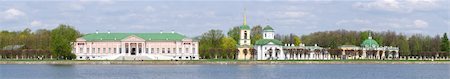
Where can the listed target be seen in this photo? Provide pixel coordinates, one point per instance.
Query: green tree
(211, 39)
(62, 38)
(403, 46)
(297, 40)
(445, 45)
(256, 34)
(234, 33)
(228, 43)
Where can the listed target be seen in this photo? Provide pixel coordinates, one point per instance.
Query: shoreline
(214, 62)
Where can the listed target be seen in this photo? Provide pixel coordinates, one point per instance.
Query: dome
(268, 28)
(244, 27)
(369, 43)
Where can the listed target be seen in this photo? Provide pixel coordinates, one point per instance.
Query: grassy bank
(193, 62)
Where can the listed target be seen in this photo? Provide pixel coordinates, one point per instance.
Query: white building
(135, 46)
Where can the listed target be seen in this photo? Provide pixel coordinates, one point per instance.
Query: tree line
(215, 44)
(56, 42)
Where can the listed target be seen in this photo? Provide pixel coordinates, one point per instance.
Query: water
(381, 71)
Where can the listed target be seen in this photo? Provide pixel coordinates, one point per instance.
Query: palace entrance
(133, 51)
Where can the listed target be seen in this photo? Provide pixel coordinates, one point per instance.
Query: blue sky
(192, 18)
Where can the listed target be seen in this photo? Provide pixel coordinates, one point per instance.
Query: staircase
(133, 58)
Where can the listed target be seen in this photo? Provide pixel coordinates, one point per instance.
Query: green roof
(369, 43)
(267, 41)
(244, 27)
(146, 36)
(268, 28)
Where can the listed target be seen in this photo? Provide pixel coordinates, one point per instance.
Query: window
(115, 50)
(168, 50)
(157, 50)
(98, 50)
(120, 50)
(88, 50)
(81, 50)
(109, 50)
(174, 50)
(126, 50)
(146, 50)
(245, 34)
(104, 50)
(93, 50)
(163, 50)
(152, 50)
(140, 50)
(187, 50)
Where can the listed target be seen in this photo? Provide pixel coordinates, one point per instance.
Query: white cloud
(420, 24)
(405, 6)
(353, 21)
(36, 23)
(149, 8)
(11, 13)
(292, 14)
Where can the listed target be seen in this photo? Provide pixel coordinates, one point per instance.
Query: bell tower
(245, 51)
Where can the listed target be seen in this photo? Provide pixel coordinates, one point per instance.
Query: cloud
(292, 14)
(420, 24)
(406, 6)
(353, 21)
(36, 23)
(11, 14)
(149, 8)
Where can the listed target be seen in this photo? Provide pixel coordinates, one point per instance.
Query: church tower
(245, 51)
(268, 33)
(244, 33)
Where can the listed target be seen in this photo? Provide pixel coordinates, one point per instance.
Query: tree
(445, 43)
(297, 40)
(234, 33)
(211, 39)
(403, 46)
(228, 43)
(62, 38)
(256, 34)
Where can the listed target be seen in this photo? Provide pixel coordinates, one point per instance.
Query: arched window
(245, 34)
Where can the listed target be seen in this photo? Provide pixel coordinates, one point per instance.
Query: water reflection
(224, 71)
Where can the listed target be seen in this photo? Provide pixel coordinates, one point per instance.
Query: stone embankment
(218, 62)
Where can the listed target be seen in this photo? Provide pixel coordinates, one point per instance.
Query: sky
(192, 18)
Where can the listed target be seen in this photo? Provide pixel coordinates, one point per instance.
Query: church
(135, 46)
(270, 48)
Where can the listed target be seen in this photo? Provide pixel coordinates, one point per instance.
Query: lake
(319, 71)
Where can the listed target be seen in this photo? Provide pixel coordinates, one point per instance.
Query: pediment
(133, 38)
(80, 39)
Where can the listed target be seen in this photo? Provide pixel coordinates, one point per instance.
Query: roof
(13, 47)
(369, 43)
(146, 36)
(268, 28)
(244, 27)
(267, 41)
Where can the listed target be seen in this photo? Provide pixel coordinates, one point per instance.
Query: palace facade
(135, 46)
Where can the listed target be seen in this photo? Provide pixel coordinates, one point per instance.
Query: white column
(258, 49)
(273, 52)
(90, 48)
(129, 49)
(283, 57)
(176, 48)
(183, 48)
(117, 49)
(122, 48)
